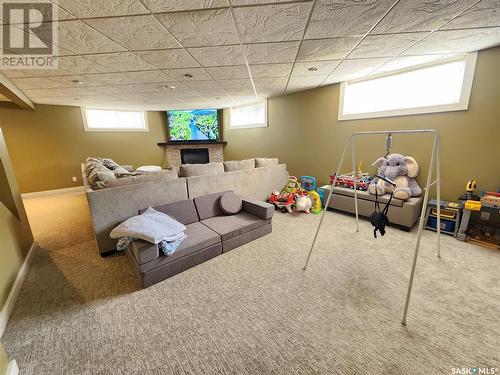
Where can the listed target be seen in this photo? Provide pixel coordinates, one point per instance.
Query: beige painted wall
(15, 233)
(48, 145)
(304, 132)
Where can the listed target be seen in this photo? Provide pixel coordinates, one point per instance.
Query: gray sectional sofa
(209, 232)
(113, 202)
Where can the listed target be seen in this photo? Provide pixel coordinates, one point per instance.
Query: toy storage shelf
(450, 217)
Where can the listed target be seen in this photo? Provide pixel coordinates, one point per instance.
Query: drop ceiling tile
(78, 38)
(247, 92)
(80, 65)
(203, 85)
(326, 49)
(354, 68)
(198, 74)
(333, 18)
(24, 73)
(304, 83)
(219, 55)
(149, 76)
(121, 62)
(108, 79)
(236, 84)
(201, 28)
(335, 78)
(271, 70)
(263, 53)
(229, 72)
(417, 15)
(48, 82)
(270, 86)
(385, 45)
(165, 59)
(407, 61)
(258, 2)
(100, 8)
(486, 13)
(272, 23)
(454, 41)
(135, 33)
(178, 5)
(323, 67)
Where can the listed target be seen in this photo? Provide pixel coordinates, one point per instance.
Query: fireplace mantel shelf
(182, 143)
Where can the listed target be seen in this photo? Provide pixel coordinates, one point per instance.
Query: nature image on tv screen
(195, 125)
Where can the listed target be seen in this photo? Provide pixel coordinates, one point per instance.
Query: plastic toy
(283, 201)
(491, 198)
(293, 186)
(316, 202)
(308, 183)
(303, 203)
(469, 191)
(347, 181)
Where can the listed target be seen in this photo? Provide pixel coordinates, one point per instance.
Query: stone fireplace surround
(173, 151)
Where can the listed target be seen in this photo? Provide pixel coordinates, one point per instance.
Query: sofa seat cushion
(234, 225)
(198, 237)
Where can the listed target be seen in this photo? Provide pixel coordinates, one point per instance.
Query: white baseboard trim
(14, 291)
(52, 192)
(12, 369)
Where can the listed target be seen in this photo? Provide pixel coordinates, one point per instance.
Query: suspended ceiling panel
(161, 54)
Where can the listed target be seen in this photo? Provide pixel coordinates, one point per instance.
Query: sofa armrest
(128, 168)
(144, 251)
(258, 208)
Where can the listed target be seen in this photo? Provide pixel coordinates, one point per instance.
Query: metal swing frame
(435, 159)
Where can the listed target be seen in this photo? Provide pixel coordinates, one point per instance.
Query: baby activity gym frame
(435, 159)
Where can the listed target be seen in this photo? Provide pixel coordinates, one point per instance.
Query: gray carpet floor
(254, 310)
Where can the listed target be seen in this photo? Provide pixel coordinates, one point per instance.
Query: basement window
(102, 120)
(429, 88)
(249, 116)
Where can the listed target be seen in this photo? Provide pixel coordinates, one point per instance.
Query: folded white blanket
(151, 226)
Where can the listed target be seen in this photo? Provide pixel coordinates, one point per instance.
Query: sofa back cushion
(236, 165)
(188, 170)
(182, 211)
(265, 162)
(208, 205)
(157, 176)
(100, 174)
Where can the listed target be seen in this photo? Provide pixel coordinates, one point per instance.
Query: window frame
(114, 130)
(463, 103)
(250, 126)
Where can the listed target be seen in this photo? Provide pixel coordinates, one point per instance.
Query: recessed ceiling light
(77, 82)
(169, 87)
(188, 75)
(312, 69)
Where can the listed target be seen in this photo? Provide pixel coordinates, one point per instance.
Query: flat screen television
(193, 125)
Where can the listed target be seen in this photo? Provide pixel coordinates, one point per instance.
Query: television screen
(195, 125)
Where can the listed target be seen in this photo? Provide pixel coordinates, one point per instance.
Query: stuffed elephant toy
(400, 169)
